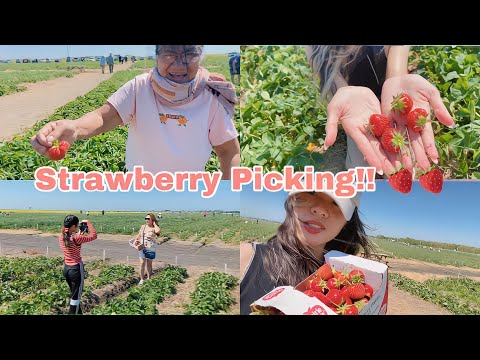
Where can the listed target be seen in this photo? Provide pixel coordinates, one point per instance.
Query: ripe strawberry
(368, 291)
(318, 285)
(356, 277)
(324, 272)
(392, 140)
(336, 297)
(320, 296)
(334, 284)
(432, 180)
(402, 104)
(58, 150)
(378, 124)
(401, 181)
(355, 291)
(416, 119)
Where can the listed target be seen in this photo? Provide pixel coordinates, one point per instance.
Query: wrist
(397, 61)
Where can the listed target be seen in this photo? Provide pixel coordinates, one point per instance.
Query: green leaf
(265, 95)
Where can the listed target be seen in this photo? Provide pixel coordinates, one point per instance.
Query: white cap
(346, 205)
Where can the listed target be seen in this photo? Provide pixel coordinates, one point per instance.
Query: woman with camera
(71, 240)
(146, 238)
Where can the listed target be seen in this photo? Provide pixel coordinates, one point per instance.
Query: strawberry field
(282, 122)
(461, 296)
(104, 152)
(186, 225)
(36, 285)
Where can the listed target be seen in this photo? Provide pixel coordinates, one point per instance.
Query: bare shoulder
(246, 253)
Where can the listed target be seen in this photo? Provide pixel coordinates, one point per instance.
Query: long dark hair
(68, 222)
(288, 260)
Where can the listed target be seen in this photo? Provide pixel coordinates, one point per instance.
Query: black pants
(75, 277)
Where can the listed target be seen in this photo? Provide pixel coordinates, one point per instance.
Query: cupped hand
(352, 106)
(61, 130)
(425, 96)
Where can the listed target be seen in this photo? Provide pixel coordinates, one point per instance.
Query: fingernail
(50, 139)
(435, 161)
(451, 126)
(325, 147)
(380, 172)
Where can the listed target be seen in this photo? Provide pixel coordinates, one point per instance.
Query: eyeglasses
(147, 218)
(189, 58)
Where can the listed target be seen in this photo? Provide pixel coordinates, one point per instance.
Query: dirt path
(22, 110)
(115, 247)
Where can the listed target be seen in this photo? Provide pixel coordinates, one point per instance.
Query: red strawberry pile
(394, 141)
(346, 293)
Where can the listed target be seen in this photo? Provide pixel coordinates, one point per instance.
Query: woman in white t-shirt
(147, 236)
(178, 112)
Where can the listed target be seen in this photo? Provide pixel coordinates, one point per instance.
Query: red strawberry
(334, 284)
(416, 119)
(402, 104)
(378, 124)
(432, 181)
(368, 291)
(392, 140)
(356, 277)
(401, 181)
(324, 272)
(318, 285)
(355, 291)
(58, 150)
(336, 297)
(321, 297)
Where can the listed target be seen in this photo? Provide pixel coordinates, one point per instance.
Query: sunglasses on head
(147, 218)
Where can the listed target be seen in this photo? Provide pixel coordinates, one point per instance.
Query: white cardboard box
(292, 302)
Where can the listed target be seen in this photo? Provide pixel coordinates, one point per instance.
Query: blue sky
(453, 216)
(23, 195)
(60, 51)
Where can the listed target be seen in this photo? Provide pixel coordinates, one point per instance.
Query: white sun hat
(346, 205)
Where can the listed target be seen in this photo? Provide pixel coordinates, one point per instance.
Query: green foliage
(423, 253)
(142, 300)
(280, 114)
(460, 296)
(185, 225)
(10, 82)
(212, 294)
(455, 71)
(104, 152)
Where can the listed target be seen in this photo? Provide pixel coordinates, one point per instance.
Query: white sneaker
(140, 282)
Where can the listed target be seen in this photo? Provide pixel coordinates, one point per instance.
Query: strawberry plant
(212, 294)
(455, 71)
(280, 114)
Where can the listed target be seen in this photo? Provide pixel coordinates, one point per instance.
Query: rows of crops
(36, 286)
(185, 225)
(460, 296)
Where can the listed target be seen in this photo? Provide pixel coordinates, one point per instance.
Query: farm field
(35, 285)
(104, 152)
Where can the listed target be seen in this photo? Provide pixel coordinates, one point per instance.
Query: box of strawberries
(344, 285)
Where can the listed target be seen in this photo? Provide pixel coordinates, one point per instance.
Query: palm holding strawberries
(424, 96)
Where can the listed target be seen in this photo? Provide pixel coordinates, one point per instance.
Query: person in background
(103, 62)
(147, 236)
(70, 241)
(234, 65)
(110, 63)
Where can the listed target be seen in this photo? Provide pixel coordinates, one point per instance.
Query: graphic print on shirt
(182, 120)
